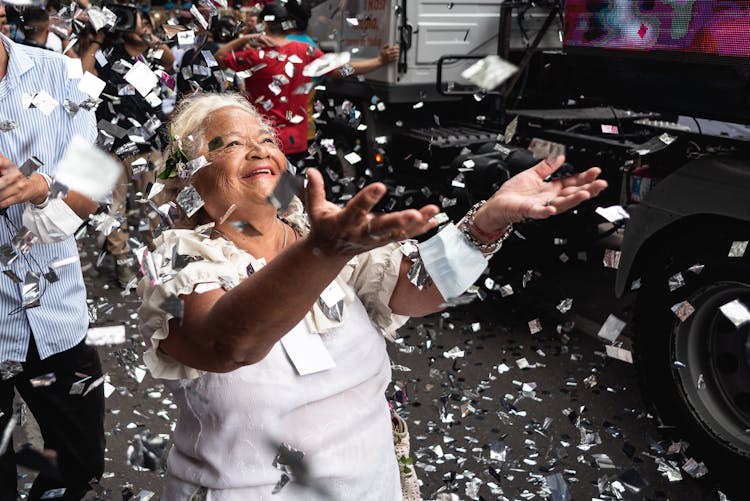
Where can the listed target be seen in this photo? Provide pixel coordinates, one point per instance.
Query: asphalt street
(493, 409)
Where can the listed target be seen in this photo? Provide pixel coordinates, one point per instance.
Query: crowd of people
(267, 321)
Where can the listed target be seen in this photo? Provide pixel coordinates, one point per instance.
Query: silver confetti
(78, 387)
(7, 254)
(104, 223)
(527, 276)
(53, 493)
(286, 189)
(612, 258)
(7, 125)
(30, 291)
(683, 310)
(454, 353)
(146, 451)
(535, 326)
(738, 249)
(619, 353)
(736, 312)
(30, 166)
(498, 451)
(335, 312)
(611, 328)
(346, 70)
(23, 240)
(9, 369)
(289, 461)
(565, 305)
(44, 380)
(694, 468)
(418, 275)
(696, 268)
(190, 200)
(197, 164)
(558, 487)
(13, 276)
(489, 72)
(325, 64)
(675, 282)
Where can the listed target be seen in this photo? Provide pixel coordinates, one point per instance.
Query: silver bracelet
(486, 248)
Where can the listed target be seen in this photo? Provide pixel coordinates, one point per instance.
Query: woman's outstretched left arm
(527, 195)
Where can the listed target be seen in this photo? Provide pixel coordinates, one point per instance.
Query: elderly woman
(278, 355)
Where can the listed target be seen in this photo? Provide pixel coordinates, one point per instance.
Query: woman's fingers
(402, 224)
(542, 212)
(429, 211)
(594, 188)
(558, 204)
(584, 177)
(566, 203)
(386, 225)
(548, 166)
(363, 202)
(315, 192)
(597, 187)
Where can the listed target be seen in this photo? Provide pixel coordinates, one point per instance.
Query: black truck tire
(696, 372)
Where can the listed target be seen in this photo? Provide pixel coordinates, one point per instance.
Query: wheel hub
(715, 377)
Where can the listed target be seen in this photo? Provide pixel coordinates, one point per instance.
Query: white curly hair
(192, 114)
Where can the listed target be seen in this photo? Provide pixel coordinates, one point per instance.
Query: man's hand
(389, 53)
(15, 188)
(258, 41)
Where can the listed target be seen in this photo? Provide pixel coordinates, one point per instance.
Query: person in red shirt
(273, 77)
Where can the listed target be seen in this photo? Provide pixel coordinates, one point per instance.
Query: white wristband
(452, 262)
(54, 222)
(48, 180)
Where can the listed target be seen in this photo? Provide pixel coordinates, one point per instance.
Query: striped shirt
(61, 321)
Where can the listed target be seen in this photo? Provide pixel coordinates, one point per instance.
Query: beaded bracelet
(468, 227)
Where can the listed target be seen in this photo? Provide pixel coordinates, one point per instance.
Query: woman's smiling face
(245, 162)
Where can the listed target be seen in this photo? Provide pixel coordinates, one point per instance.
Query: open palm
(528, 196)
(356, 228)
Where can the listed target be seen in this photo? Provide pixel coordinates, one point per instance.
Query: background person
(130, 47)
(281, 336)
(284, 101)
(4, 26)
(250, 18)
(300, 12)
(48, 338)
(36, 28)
(188, 81)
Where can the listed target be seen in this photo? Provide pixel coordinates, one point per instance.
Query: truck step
(598, 114)
(664, 125)
(450, 137)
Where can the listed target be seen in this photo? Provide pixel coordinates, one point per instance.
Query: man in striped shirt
(43, 315)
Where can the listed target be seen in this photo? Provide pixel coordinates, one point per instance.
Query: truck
(656, 92)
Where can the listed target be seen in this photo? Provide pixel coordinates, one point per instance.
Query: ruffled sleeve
(373, 277)
(210, 264)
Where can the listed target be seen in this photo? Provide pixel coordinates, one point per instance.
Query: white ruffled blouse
(371, 277)
(230, 425)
